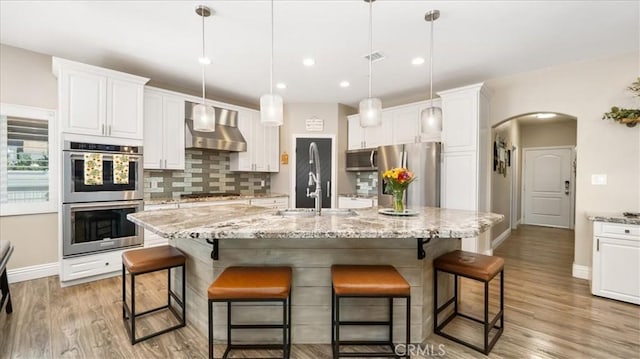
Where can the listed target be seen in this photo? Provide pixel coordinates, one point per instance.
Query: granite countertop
(242, 221)
(358, 195)
(612, 217)
(213, 199)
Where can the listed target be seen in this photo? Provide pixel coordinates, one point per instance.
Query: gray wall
(26, 79)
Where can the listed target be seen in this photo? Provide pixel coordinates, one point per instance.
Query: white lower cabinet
(616, 261)
(355, 202)
(91, 265)
(274, 202)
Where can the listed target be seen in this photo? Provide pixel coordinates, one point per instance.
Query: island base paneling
(311, 261)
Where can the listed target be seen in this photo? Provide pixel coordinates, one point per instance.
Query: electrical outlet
(262, 183)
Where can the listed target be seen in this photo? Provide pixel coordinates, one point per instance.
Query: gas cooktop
(208, 195)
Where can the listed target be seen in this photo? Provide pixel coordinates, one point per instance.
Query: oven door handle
(106, 205)
(132, 157)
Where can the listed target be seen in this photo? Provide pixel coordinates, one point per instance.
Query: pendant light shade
(370, 112)
(271, 110)
(431, 117)
(370, 109)
(271, 106)
(204, 118)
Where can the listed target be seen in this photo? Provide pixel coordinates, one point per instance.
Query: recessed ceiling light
(204, 60)
(281, 85)
(344, 84)
(417, 61)
(545, 115)
(308, 62)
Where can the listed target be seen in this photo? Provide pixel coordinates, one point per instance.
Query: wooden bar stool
(477, 267)
(147, 260)
(5, 253)
(253, 284)
(367, 281)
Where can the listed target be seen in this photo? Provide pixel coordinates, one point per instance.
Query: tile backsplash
(367, 183)
(205, 171)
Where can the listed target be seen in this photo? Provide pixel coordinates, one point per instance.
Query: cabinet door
(615, 269)
(83, 102)
(459, 181)
(379, 135)
(356, 133)
(243, 161)
(460, 121)
(406, 124)
(259, 142)
(272, 148)
(173, 132)
(124, 109)
(352, 202)
(153, 131)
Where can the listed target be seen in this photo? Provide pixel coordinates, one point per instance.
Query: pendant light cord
(271, 71)
(370, 41)
(202, 65)
(431, 63)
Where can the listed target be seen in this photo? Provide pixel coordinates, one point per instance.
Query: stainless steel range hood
(226, 137)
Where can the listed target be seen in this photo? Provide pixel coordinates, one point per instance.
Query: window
(28, 161)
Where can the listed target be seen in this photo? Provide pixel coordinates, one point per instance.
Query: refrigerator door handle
(404, 159)
(328, 189)
(371, 158)
(401, 159)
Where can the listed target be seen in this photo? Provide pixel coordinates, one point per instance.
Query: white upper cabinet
(461, 112)
(406, 124)
(163, 130)
(369, 137)
(263, 145)
(99, 102)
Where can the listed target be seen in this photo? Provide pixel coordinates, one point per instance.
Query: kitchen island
(248, 235)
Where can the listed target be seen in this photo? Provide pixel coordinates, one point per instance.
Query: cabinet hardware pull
(102, 129)
(328, 189)
(165, 163)
(626, 231)
(598, 245)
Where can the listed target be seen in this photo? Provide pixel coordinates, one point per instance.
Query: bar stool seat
(367, 281)
(146, 260)
(477, 267)
(253, 284)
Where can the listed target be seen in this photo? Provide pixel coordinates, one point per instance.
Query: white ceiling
(474, 41)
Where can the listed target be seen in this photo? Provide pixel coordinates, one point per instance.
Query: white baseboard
(33, 272)
(515, 225)
(582, 272)
(498, 241)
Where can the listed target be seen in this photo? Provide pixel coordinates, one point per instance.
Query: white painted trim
(94, 278)
(501, 238)
(516, 225)
(33, 272)
(581, 272)
(334, 160)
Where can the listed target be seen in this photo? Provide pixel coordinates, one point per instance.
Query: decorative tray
(392, 212)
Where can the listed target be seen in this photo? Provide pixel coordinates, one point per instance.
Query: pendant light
(370, 107)
(271, 104)
(204, 119)
(431, 117)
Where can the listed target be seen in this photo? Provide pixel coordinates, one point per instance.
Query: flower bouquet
(397, 180)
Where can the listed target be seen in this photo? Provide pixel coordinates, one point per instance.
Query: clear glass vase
(398, 200)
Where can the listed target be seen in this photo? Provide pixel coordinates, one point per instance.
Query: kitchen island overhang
(248, 235)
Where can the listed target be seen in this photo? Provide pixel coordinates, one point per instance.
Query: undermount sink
(310, 212)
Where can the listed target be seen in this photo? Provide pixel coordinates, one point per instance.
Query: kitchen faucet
(314, 178)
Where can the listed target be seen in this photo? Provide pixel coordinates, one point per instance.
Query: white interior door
(547, 188)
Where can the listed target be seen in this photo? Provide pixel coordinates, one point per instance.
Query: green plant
(627, 116)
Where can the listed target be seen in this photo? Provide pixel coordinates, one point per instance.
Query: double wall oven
(101, 185)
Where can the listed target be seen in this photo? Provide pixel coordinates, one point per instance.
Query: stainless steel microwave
(362, 160)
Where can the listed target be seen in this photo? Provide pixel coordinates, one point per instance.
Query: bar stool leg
(487, 327)
(337, 347)
(333, 322)
(289, 324)
(408, 324)
(133, 309)
(391, 321)
(435, 300)
(4, 284)
(210, 329)
(124, 292)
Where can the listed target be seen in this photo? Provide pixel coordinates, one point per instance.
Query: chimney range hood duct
(226, 137)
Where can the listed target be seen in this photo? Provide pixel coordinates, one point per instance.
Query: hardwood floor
(548, 314)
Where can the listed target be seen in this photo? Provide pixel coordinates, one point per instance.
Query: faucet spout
(314, 176)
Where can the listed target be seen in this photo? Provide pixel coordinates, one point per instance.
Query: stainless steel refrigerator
(423, 159)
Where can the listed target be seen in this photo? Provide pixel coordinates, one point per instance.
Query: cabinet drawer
(617, 229)
(87, 266)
